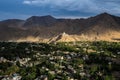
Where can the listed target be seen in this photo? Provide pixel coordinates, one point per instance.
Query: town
(98, 60)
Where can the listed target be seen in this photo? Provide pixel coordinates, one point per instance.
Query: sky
(22, 9)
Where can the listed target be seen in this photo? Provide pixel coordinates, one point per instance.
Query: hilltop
(100, 27)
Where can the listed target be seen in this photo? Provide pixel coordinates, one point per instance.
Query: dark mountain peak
(102, 22)
(48, 16)
(11, 23)
(47, 20)
(40, 17)
(33, 17)
(12, 20)
(104, 15)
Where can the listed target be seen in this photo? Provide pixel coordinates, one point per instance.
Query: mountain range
(47, 28)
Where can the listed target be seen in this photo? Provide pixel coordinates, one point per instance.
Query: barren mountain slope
(101, 27)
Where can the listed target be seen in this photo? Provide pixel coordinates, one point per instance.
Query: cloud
(26, 2)
(63, 4)
(68, 5)
(92, 6)
(57, 8)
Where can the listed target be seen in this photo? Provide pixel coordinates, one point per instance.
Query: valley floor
(84, 60)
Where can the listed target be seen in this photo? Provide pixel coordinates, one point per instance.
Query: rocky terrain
(49, 29)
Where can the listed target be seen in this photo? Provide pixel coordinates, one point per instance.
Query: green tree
(11, 70)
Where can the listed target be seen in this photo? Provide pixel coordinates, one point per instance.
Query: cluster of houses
(62, 60)
(12, 77)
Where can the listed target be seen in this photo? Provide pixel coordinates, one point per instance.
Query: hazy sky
(58, 8)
